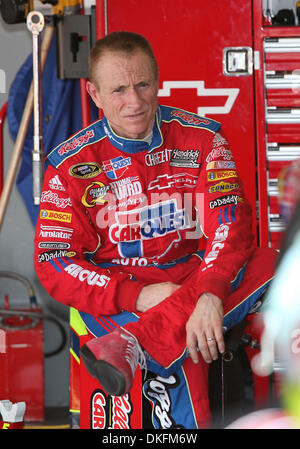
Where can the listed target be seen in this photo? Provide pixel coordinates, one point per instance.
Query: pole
(35, 24)
(14, 162)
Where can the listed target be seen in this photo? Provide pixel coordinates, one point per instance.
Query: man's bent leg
(161, 330)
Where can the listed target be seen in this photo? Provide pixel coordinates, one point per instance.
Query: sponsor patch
(158, 157)
(221, 235)
(223, 187)
(185, 158)
(113, 412)
(54, 254)
(55, 215)
(224, 200)
(217, 175)
(219, 140)
(191, 119)
(56, 232)
(123, 188)
(227, 214)
(222, 152)
(178, 181)
(53, 198)
(54, 245)
(94, 194)
(158, 391)
(76, 142)
(56, 184)
(85, 170)
(148, 222)
(115, 168)
(220, 164)
(134, 261)
(90, 277)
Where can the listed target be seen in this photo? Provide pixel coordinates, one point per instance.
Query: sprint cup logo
(55, 215)
(110, 412)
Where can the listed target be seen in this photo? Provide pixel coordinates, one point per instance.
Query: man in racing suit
(143, 212)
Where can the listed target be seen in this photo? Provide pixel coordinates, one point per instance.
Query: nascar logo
(115, 168)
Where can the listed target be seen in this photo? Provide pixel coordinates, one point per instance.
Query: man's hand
(153, 294)
(204, 328)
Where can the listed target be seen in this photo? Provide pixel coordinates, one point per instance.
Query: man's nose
(133, 97)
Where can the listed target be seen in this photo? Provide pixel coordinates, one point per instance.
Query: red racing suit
(111, 200)
(117, 214)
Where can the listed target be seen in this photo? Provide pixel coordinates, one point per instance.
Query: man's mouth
(136, 116)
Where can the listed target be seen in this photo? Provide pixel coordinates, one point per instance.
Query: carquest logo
(148, 222)
(115, 168)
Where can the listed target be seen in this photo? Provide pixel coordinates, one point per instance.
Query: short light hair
(120, 42)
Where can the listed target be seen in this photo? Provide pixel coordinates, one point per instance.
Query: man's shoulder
(188, 119)
(76, 143)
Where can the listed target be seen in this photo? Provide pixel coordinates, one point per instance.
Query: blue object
(61, 109)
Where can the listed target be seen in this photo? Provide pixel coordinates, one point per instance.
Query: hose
(29, 287)
(34, 315)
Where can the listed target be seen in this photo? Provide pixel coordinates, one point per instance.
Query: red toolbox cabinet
(22, 362)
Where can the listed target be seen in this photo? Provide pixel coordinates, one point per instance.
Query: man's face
(126, 89)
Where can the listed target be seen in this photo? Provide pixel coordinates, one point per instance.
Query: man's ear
(93, 92)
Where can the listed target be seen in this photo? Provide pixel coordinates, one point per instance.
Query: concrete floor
(55, 418)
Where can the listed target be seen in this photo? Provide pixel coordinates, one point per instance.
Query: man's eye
(118, 89)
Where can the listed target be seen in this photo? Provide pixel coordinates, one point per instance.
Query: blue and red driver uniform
(118, 214)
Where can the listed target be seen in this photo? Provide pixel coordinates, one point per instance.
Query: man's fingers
(205, 351)
(220, 340)
(212, 346)
(207, 346)
(192, 347)
(204, 328)
(209, 343)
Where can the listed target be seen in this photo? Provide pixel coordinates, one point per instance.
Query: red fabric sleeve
(63, 240)
(226, 219)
